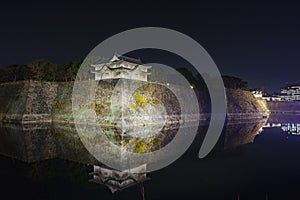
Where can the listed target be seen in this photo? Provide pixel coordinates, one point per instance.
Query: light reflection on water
(248, 162)
(291, 128)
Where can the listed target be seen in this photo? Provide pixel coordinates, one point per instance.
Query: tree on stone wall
(234, 82)
(42, 69)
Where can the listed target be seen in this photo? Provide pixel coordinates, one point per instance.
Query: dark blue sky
(257, 41)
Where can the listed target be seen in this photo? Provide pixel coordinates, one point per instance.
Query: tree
(234, 82)
(50, 71)
(195, 80)
(13, 73)
(73, 68)
(42, 69)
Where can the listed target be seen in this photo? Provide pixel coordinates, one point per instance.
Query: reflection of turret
(119, 180)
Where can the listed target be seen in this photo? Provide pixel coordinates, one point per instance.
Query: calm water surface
(49, 162)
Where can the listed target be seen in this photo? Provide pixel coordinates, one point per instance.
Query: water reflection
(291, 128)
(37, 142)
(239, 133)
(116, 180)
(29, 143)
(32, 143)
(288, 123)
(55, 150)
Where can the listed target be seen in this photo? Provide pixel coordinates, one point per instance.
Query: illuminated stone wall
(35, 101)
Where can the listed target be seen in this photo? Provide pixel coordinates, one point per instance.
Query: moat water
(252, 160)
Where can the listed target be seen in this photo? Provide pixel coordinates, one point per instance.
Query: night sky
(256, 41)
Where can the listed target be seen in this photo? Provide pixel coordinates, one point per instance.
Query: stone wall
(27, 101)
(242, 105)
(62, 105)
(36, 101)
(13, 97)
(40, 99)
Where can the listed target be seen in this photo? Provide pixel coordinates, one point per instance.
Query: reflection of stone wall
(69, 145)
(237, 134)
(33, 142)
(284, 107)
(284, 111)
(37, 142)
(40, 144)
(284, 118)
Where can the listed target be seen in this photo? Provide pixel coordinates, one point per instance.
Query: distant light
(168, 84)
(192, 87)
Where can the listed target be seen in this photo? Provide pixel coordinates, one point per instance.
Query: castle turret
(121, 67)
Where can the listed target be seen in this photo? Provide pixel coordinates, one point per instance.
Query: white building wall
(291, 93)
(117, 74)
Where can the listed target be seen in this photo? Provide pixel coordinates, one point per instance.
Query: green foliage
(140, 147)
(68, 71)
(41, 69)
(140, 99)
(13, 73)
(234, 82)
(195, 80)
